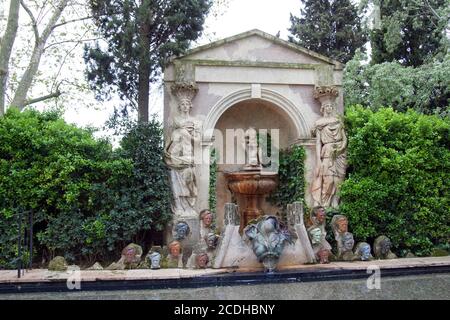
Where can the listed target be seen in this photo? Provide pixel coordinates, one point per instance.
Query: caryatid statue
(331, 145)
(179, 153)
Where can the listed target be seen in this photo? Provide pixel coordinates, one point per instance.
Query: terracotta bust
(206, 217)
(202, 260)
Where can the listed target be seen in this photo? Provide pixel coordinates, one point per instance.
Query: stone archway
(279, 112)
(300, 122)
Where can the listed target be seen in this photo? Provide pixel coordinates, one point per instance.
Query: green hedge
(88, 200)
(398, 178)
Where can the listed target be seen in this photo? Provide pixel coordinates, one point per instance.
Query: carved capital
(184, 90)
(326, 94)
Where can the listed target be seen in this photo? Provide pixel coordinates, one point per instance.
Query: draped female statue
(331, 145)
(179, 156)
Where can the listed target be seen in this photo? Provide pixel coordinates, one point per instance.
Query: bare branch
(75, 41)
(71, 21)
(55, 94)
(33, 20)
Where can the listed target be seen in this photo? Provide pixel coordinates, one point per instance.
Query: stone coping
(46, 276)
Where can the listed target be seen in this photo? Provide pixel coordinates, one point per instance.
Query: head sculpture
(347, 241)
(267, 236)
(181, 230)
(175, 249)
(327, 108)
(323, 255)
(202, 260)
(155, 259)
(211, 240)
(132, 254)
(362, 251)
(339, 224)
(185, 105)
(315, 235)
(318, 216)
(382, 248)
(206, 217)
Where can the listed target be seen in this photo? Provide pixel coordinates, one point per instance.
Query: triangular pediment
(257, 46)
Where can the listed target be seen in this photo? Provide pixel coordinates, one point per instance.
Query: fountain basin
(253, 186)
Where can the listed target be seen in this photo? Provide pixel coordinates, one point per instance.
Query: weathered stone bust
(206, 217)
(131, 255)
(382, 248)
(268, 237)
(211, 240)
(181, 230)
(202, 260)
(318, 219)
(362, 252)
(155, 260)
(315, 235)
(345, 247)
(318, 216)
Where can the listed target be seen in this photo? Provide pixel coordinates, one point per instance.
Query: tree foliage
(409, 32)
(398, 178)
(331, 28)
(426, 88)
(140, 37)
(88, 200)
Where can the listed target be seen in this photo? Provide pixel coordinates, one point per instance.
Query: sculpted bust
(202, 260)
(267, 237)
(345, 247)
(174, 256)
(321, 252)
(181, 230)
(382, 248)
(362, 252)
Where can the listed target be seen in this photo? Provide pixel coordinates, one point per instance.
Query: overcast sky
(238, 16)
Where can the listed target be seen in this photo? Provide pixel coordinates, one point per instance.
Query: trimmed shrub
(398, 178)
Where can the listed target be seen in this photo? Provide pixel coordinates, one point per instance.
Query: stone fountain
(252, 183)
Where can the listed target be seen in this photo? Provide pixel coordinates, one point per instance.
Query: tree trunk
(20, 96)
(144, 73)
(6, 45)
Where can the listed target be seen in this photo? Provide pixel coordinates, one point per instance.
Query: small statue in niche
(345, 247)
(362, 252)
(155, 260)
(382, 248)
(253, 151)
(317, 239)
(202, 260)
(268, 237)
(181, 230)
(174, 258)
